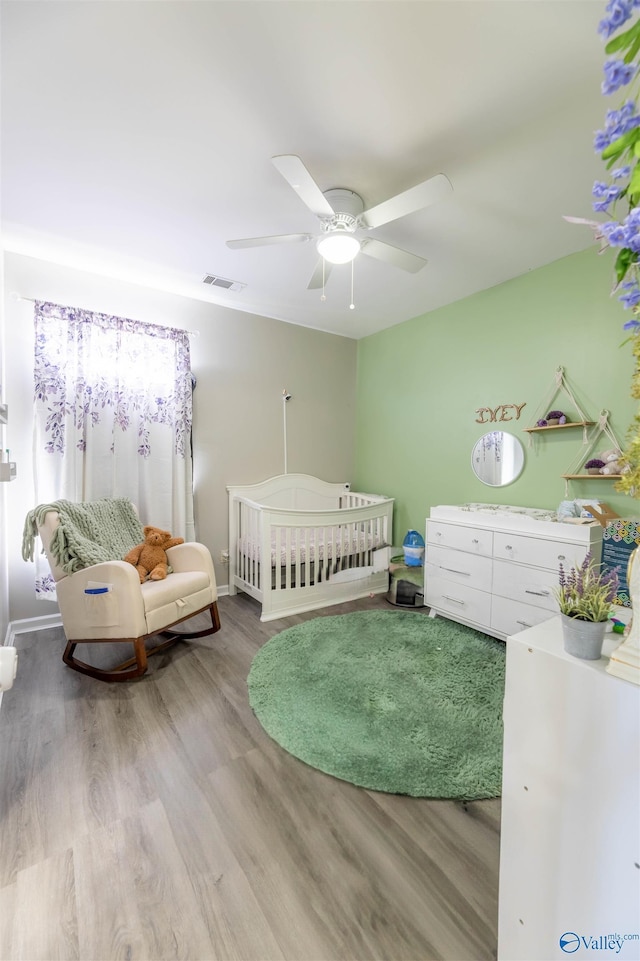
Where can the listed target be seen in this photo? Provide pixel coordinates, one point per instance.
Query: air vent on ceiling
(214, 281)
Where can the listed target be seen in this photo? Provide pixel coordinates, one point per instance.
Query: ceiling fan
(342, 216)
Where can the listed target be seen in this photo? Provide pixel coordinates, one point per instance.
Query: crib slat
(319, 535)
(288, 558)
(245, 526)
(318, 540)
(253, 573)
(251, 546)
(329, 552)
(276, 540)
(302, 549)
(235, 553)
(247, 535)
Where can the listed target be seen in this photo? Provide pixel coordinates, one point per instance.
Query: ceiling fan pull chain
(323, 296)
(352, 306)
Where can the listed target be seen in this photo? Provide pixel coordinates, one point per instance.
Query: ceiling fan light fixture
(338, 248)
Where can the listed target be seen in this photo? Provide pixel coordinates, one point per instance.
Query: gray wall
(242, 363)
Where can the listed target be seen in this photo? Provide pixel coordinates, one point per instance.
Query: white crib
(323, 544)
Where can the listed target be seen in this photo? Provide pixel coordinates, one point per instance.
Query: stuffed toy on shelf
(612, 461)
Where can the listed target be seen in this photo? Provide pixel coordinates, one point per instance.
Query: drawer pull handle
(524, 623)
(561, 557)
(508, 547)
(475, 541)
(456, 600)
(438, 533)
(452, 570)
(537, 593)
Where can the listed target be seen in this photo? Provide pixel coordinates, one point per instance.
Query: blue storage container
(413, 547)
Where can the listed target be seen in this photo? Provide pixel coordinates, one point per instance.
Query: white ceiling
(137, 137)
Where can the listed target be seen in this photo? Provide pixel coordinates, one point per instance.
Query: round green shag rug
(393, 701)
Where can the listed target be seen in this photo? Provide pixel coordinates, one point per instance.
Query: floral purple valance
(92, 367)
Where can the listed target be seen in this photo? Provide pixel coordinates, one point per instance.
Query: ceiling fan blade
(392, 255)
(416, 198)
(298, 177)
(266, 241)
(316, 278)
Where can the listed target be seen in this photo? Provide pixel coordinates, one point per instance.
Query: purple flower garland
(619, 147)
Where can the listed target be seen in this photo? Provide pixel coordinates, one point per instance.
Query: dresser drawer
(529, 585)
(537, 552)
(472, 539)
(510, 617)
(471, 570)
(452, 598)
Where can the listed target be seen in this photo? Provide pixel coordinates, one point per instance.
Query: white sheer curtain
(113, 414)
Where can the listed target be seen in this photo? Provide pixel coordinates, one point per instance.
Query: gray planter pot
(583, 638)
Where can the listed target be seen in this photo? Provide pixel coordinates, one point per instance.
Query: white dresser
(495, 567)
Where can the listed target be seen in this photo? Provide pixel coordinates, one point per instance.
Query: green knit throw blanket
(89, 533)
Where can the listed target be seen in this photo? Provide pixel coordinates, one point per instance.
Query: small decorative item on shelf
(555, 417)
(541, 423)
(585, 596)
(594, 465)
(613, 463)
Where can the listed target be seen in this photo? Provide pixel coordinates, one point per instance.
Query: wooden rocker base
(136, 666)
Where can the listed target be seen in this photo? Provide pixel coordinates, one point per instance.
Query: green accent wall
(419, 385)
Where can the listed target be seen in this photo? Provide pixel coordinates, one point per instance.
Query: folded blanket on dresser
(89, 533)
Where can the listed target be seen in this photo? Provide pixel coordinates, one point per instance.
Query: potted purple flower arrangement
(555, 417)
(585, 596)
(593, 466)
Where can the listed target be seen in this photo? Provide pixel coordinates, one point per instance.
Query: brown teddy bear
(150, 558)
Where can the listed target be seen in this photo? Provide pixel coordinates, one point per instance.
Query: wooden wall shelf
(579, 423)
(592, 476)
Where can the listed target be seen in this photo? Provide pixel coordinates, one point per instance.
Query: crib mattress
(321, 545)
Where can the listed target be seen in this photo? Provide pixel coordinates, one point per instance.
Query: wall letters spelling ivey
(499, 413)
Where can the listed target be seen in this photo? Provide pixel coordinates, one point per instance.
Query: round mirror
(497, 458)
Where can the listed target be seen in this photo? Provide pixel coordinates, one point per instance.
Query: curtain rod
(31, 300)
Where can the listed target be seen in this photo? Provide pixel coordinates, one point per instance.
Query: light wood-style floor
(157, 820)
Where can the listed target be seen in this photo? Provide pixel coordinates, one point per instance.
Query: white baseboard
(28, 624)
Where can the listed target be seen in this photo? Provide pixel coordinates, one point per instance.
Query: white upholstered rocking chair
(128, 611)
